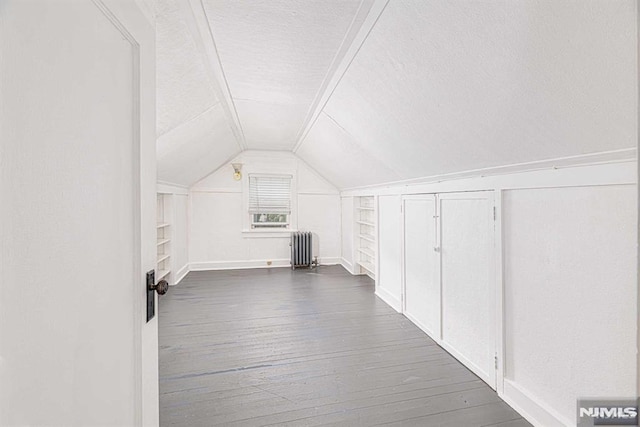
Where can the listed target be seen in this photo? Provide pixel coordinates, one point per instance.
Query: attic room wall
(216, 237)
(566, 250)
(537, 103)
(443, 87)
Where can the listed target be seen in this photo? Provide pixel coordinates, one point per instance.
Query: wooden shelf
(163, 241)
(367, 266)
(163, 225)
(162, 274)
(367, 252)
(368, 238)
(163, 258)
(370, 224)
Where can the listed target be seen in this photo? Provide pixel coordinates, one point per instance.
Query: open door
(77, 208)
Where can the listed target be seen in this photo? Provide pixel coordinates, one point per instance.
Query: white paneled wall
(548, 288)
(467, 280)
(347, 233)
(570, 296)
(422, 295)
(180, 246)
(219, 236)
(389, 284)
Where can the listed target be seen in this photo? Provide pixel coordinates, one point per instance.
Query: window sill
(252, 233)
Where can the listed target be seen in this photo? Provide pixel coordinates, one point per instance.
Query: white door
(468, 284)
(421, 296)
(77, 211)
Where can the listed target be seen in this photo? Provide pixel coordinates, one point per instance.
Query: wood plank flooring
(305, 348)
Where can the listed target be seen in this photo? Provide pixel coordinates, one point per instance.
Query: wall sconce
(237, 167)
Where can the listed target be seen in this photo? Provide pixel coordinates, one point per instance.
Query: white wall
(346, 235)
(568, 234)
(389, 283)
(219, 236)
(180, 237)
(570, 284)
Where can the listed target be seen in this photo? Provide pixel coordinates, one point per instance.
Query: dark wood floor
(277, 347)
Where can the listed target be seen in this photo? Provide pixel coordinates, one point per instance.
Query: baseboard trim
(347, 266)
(181, 274)
(329, 261)
(246, 264)
(238, 265)
(390, 299)
(530, 408)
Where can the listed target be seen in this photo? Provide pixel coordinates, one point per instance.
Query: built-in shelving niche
(365, 226)
(163, 270)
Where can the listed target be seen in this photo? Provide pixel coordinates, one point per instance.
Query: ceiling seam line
(303, 138)
(242, 143)
(359, 144)
(188, 120)
(225, 163)
(327, 78)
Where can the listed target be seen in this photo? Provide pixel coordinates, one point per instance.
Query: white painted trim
(424, 329)
(367, 17)
(531, 408)
(388, 298)
(403, 263)
(170, 188)
(498, 258)
(197, 22)
(181, 274)
(238, 265)
(329, 260)
(232, 190)
(214, 190)
(347, 266)
(134, 27)
(267, 234)
(249, 264)
(558, 164)
(484, 376)
(317, 193)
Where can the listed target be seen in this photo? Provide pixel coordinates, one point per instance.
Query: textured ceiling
(375, 91)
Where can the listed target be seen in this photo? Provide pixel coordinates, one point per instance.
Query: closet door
(421, 296)
(468, 284)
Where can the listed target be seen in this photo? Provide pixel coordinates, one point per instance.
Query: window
(269, 201)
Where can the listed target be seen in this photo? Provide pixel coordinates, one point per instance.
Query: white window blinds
(270, 194)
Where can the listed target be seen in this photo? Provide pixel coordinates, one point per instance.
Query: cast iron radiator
(301, 249)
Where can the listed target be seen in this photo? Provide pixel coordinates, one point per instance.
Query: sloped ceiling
(375, 91)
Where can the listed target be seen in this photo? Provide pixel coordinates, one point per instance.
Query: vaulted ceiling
(373, 91)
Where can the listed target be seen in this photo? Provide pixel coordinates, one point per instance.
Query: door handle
(437, 249)
(161, 287)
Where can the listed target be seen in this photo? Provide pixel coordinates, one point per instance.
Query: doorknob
(161, 287)
(437, 249)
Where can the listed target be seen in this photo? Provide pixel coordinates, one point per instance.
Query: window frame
(248, 231)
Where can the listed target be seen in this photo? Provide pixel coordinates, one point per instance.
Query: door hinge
(494, 213)
(495, 361)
